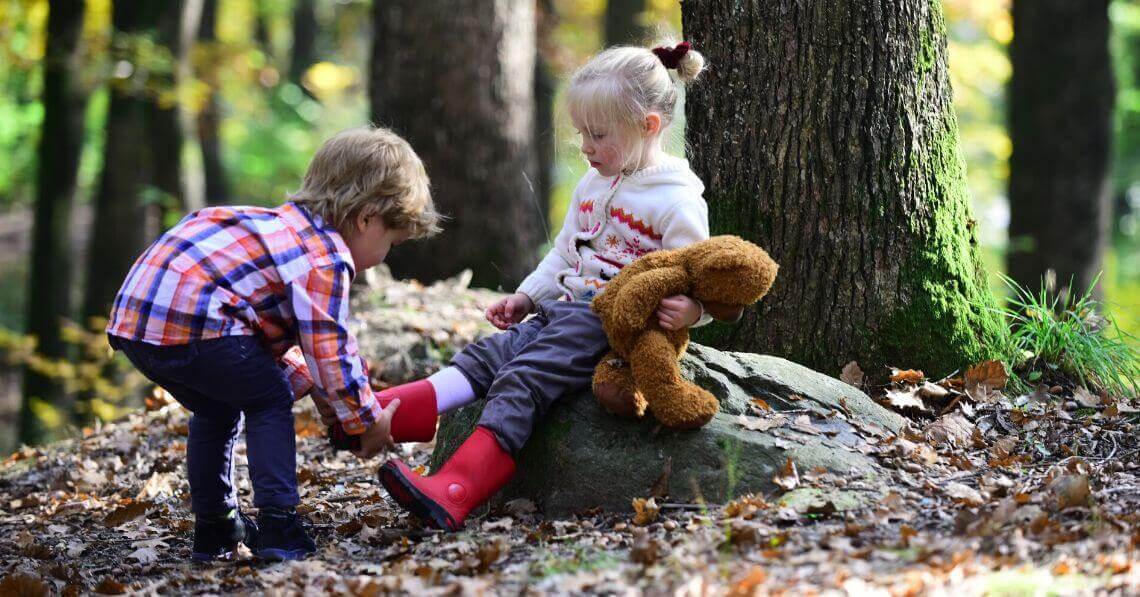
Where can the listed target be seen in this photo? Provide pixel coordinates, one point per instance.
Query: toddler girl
(634, 199)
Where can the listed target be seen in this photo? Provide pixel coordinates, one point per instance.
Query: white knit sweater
(612, 221)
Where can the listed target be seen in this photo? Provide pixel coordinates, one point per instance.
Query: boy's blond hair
(369, 171)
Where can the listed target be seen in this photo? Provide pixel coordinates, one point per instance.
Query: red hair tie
(671, 57)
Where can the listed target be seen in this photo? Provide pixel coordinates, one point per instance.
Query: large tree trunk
(456, 78)
(1061, 101)
(624, 22)
(825, 133)
(61, 142)
(217, 189)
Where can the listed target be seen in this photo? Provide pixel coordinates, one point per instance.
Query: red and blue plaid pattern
(280, 274)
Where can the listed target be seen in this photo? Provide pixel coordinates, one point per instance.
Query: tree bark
(456, 79)
(826, 134)
(545, 87)
(217, 189)
(139, 146)
(173, 19)
(304, 42)
(624, 24)
(1061, 108)
(61, 142)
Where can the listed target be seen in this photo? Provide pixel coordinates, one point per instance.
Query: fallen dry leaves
(983, 485)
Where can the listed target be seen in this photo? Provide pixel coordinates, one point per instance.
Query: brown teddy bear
(725, 273)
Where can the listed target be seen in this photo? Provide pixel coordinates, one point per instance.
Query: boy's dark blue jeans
(220, 381)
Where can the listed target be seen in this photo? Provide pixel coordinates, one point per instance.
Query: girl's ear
(652, 124)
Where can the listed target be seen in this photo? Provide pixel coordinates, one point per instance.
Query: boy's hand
(340, 440)
(677, 312)
(509, 310)
(328, 415)
(378, 436)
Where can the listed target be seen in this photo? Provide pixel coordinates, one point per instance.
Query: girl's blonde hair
(369, 171)
(619, 87)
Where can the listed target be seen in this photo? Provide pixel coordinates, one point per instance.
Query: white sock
(452, 390)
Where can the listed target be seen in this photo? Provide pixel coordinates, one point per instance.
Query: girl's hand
(677, 312)
(379, 435)
(509, 310)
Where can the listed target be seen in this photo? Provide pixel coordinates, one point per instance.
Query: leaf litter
(982, 485)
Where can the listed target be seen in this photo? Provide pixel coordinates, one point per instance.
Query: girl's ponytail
(683, 58)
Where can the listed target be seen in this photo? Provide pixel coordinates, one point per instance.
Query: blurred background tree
(1061, 99)
(257, 90)
(457, 80)
(64, 101)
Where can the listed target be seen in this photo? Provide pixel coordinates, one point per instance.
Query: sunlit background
(272, 125)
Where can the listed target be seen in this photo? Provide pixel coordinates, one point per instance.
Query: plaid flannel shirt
(281, 274)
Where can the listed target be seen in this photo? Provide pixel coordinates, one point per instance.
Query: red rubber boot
(416, 416)
(414, 420)
(477, 470)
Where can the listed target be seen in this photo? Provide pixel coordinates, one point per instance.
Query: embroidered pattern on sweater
(607, 261)
(634, 249)
(627, 218)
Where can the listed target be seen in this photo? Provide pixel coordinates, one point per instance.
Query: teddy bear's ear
(729, 269)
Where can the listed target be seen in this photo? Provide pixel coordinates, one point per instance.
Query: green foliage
(19, 122)
(979, 33)
(581, 561)
(1125, 44)
(1070, 335)
(99, 372)
(270, 147)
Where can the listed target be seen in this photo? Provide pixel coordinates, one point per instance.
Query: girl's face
(601, 147)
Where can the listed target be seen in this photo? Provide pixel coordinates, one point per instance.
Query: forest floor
(992, 492)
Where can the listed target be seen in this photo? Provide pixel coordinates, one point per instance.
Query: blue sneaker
(282, 536)
(216, 536)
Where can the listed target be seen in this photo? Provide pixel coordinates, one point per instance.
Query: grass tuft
(1070, 335)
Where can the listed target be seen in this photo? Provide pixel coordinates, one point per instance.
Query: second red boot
(416, 416)
(414, 420)
(477, 470)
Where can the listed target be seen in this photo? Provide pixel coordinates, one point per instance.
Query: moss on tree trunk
(825, 132)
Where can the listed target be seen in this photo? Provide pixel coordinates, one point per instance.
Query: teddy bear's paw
(694, 423)
(619, 401)
(692, 409)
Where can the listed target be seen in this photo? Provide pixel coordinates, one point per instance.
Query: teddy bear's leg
(614, 389)
(675, 402)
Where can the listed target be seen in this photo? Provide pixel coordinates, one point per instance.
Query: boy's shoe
(282, 536)
(477, 470)
(216, 536)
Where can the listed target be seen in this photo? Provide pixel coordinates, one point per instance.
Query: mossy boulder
(581, 457)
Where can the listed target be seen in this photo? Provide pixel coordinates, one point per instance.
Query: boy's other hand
(328, 415)
(677, 312)
(379, 435)
(509, 310)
